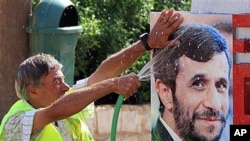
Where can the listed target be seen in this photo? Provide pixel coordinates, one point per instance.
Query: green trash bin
(53, 28)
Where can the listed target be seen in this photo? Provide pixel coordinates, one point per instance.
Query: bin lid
(61, 30)
(48, 16)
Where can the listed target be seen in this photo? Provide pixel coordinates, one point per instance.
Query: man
(192, 81)
(46, 113)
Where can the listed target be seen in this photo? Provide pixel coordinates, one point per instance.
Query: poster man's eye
(198, 84)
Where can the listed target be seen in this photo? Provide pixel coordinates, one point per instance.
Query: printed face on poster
(222, 22)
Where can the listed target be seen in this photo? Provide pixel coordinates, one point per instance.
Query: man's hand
(165, 25)
(127, 84)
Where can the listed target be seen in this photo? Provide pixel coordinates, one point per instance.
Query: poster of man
(191, 97)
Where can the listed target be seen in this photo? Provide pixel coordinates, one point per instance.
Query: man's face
(52, 88)
(201, 98)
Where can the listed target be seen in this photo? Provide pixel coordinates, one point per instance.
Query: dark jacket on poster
(160, 133)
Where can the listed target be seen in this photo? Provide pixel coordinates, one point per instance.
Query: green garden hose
(115, 117)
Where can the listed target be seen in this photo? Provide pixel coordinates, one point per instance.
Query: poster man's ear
(165, 94)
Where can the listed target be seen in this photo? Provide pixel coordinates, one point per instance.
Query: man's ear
(165, 94)
(32, 90)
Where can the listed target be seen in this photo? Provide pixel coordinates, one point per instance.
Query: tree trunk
(13, 47)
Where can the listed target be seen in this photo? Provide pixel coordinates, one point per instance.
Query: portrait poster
(223, 22)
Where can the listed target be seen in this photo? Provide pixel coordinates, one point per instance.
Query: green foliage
(108, 26)
(180, 5)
